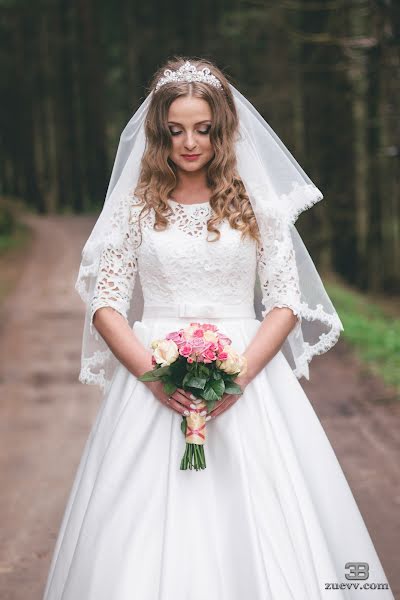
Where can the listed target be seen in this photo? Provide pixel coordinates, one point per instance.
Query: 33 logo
(357, 570)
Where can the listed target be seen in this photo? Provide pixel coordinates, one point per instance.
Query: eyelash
(202, 132)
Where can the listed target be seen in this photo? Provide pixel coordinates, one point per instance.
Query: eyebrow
(198, 122)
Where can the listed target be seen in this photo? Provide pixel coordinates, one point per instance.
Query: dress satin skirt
(271, 517)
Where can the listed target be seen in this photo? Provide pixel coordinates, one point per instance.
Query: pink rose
(176, 336)
(222, 356)
(198, 333)
(185, 350)
(209, 327)
(208, 355)
(199, 349)
(211, 346)
(198, 342)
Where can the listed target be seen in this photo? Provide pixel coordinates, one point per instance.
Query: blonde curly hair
(157, 177)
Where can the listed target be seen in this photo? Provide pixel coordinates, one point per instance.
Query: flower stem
(193, 457)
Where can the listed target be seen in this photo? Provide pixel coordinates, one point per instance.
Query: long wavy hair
(158, 173)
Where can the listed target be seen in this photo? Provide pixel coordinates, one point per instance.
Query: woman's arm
(281, 296)
(270, 336)
(111, 301)
(122, 341)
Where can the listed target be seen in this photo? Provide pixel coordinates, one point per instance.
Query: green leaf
(183, 425)
(191, 381)
(149, 376)
(203, 370)
(162, 370)
(169, 387)
(211, 404)
(233, 388)
(218, 386)
(209, 394)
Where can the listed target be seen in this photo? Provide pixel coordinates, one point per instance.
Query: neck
(193, 183)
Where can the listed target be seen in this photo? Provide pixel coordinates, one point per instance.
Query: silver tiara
(188, 72)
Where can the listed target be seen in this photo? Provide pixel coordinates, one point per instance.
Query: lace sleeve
(277, 270)
(116, 278)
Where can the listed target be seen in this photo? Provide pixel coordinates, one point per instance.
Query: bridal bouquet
(199, 359)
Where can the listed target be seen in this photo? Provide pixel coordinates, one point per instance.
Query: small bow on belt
(188, 309)
(215, 310)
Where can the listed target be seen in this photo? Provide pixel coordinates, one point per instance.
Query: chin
(191, 168)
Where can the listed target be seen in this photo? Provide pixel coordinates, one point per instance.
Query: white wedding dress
(270, 518)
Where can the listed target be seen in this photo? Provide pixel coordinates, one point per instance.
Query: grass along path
(372, 328)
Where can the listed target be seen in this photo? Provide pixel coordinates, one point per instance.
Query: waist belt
(191, 309)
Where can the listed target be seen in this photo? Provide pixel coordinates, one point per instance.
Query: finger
(226, 397)
(223, 406)
(183, 399)
(175, 405)
(185, 393)
(216, 411)
(189, 395)
(223, 399)
(186, 404)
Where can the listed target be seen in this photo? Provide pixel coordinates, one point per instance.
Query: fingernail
(203, 412)
(192, 406)
(192, 397)
(208, 418)
(186, 412)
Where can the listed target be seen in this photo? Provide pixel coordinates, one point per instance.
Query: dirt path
(46, 415)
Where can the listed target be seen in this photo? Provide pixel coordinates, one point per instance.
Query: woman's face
(189, 121)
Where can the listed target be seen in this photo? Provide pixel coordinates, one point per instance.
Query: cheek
(207, 145)
(174, 144)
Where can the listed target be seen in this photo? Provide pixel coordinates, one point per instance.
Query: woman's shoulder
(132, 203)
(136, 207)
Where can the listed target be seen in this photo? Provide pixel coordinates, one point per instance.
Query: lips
(190, 157)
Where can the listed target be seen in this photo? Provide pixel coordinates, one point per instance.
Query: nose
(190, 142)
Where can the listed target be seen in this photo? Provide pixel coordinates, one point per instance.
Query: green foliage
(191, 381)
(374, 334)
(10, 209)
(14, 235)
(184, 426)
(203, 381)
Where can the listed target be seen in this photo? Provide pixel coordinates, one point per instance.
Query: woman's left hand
(228, 400)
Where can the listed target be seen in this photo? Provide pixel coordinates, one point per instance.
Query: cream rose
(210, 336)
(243, 364)
(188, 332)
(155, 343)
(166, 352)
(234, 363)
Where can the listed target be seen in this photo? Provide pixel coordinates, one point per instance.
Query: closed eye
(202, 131)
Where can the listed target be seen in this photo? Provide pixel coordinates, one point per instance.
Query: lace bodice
(178, 264)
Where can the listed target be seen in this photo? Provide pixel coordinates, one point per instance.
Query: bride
(198, 227)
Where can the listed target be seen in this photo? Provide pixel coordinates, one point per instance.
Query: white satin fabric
(272, 516)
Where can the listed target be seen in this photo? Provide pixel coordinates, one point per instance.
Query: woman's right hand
(180, 401)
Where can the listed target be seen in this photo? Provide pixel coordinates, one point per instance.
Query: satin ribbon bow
(189, 309)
